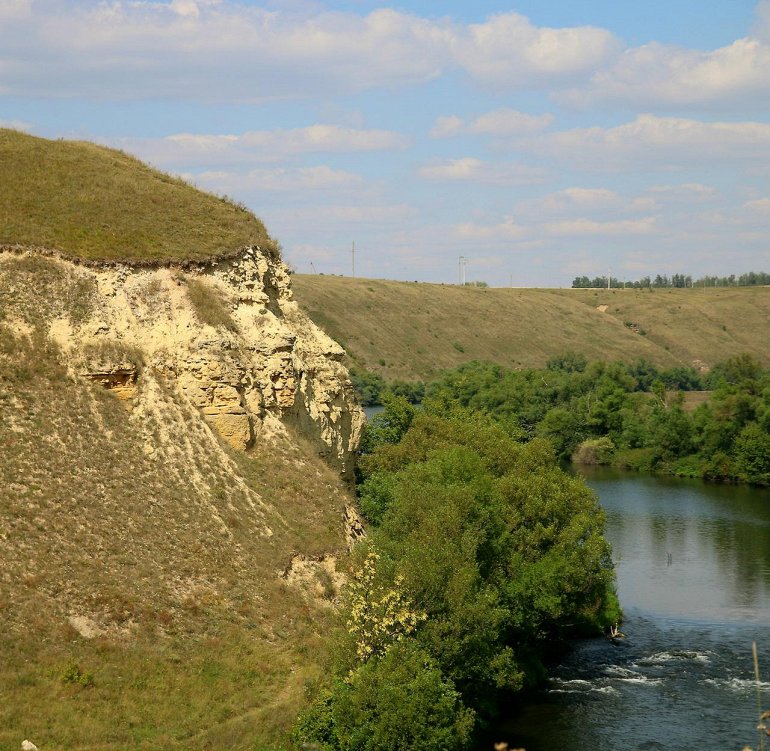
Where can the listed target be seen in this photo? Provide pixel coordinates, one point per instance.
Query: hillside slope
(159, 479)
(409, 330)
(101, 204)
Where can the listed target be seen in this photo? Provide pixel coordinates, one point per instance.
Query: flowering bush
(379, 615)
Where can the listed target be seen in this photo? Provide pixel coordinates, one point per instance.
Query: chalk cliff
(226, 335)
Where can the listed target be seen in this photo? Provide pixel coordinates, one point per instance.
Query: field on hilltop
(409, 330)
(100, 204)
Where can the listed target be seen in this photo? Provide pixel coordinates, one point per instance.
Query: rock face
(227, 336)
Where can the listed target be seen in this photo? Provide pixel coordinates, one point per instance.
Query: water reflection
(718, 539)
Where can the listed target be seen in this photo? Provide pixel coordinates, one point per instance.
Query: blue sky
(540, 140)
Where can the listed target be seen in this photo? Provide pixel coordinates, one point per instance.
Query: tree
(397, 702)
(752, 455)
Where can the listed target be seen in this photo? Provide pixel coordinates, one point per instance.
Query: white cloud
(584, 227)
(657, 75)
(505, 230)
(259, 145)
(476, 170)
(579, 200)
(16, 125)
(685, 192)
(652, 142)
(507, 50)
(293, 178)
(340, 214)
(11, 10)
(502, 122)
(759, 205)
(213, 51)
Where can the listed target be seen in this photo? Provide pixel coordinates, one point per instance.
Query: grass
(209, 304)
(100, 204)
(141, 598)
(406, 330)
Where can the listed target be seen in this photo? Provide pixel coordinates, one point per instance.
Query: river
(693, 571)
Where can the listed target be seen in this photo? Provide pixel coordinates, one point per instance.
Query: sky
(539, 140)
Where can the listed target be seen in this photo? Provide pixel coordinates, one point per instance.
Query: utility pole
(353, 255)
(609, 277)
(312, 266)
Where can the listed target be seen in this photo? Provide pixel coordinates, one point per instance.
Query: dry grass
(408, 330)
(146, 531)
(100, 204)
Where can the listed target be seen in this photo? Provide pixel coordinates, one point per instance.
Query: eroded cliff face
(226, 336)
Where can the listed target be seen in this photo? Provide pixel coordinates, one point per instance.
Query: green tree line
(749, 279)
(632, 416)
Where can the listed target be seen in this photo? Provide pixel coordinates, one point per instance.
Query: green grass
(407, 330)
(100, 204)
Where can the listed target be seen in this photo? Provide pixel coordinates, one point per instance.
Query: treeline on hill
(482, 555)
(632, 416)
(750, 279)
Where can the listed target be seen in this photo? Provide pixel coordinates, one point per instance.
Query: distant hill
(409, 330)
(101, 204)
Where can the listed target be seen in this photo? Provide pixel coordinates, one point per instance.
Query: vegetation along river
(693, 571)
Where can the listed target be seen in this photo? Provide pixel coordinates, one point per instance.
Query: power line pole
(353, 255)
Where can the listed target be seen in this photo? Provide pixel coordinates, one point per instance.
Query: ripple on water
(741, 685)
(664, 658)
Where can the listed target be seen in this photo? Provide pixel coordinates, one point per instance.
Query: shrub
(594, 451)
(398, 702)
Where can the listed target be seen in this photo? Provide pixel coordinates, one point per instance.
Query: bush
(399, 702)
(594, 451)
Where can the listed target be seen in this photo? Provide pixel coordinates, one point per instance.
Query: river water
(693, 571)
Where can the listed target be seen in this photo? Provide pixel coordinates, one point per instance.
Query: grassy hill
(101, 204)
(409, 330)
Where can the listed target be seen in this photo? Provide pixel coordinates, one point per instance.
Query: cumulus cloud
(338, 215)
(258, 145)
(655, 142)
(508, 50)
(656, 75)
(586, 227)
(192, 49)
(502, 122)
(280, 179)
(578, 200)
(225, 50)
(472, 169)
(505, 230)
